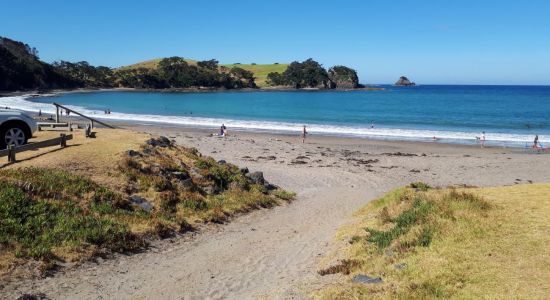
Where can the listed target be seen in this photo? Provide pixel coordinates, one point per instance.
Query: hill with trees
(21, 69)
(311, 74)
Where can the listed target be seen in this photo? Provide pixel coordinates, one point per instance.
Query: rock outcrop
(341, 77)
(404, 81)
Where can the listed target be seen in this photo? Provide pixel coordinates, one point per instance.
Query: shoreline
(497, 139)
(185, 90)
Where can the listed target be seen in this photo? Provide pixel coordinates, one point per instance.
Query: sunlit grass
(464, 243)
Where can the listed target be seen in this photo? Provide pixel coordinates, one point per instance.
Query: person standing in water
(536, 142)
(304, 133)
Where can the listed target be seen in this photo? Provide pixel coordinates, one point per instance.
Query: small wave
(22, 103)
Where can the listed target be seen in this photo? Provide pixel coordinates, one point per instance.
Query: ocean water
(510, 115)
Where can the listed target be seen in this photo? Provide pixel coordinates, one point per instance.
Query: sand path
(274, 253)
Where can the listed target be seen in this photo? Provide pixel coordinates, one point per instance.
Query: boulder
(341, 77)
(132, 153)
(141, 202)
(256, 177)
(180, 175)
(159, 142)
(360, 278)
(404, 81)
(186, 183)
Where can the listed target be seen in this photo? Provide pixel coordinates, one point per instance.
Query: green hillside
(260, 70)
(151, 64)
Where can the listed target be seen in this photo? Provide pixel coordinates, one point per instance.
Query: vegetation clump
(424, 242)
(187, 185)
(51, 215)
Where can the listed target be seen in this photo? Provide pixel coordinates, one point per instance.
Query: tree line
(21, 69)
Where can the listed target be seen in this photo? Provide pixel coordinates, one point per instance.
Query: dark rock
(132, 153)
(164, 141)
(222, 162)
(159, 142)
(360, 278)
(186, 183)
(404, 81)
(256, 177)
(270, 187)
(180, 175)
(141, 202)
(244, 170)
(39, 296)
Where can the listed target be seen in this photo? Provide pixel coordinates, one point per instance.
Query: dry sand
(274, 253)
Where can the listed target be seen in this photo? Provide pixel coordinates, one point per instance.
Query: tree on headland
(209, 64)
(311, 74)
(343, 77)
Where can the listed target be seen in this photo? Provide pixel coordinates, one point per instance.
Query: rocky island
(404, 81)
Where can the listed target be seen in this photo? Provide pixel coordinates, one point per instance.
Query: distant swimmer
(372, 124)
(304, 133)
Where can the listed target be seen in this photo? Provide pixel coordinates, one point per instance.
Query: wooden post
(11, 154)
(63, 143)
(88, 130)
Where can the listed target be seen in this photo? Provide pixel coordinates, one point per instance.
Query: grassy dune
(260, 70)
(461, 244)
(50, 215)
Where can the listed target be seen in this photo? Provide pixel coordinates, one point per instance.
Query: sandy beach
(274, 253)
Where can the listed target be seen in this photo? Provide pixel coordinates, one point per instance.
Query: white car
(16, 128)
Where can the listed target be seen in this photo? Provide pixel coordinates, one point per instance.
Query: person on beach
(40, 113)
(536, 142)
(223, 130)
(482, 139)
(304, 133)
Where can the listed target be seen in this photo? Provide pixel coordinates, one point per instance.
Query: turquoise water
(508, 114)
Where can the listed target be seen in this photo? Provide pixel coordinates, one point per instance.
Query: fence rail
(11, 151)
(58, 106)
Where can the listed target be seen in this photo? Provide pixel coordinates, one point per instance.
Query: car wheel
(13, 135)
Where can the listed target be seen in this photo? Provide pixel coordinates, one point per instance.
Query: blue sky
(438, 42)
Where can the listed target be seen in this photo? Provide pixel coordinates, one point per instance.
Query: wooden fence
(58, 106)
(11, 151)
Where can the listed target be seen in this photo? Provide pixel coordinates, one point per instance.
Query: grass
(448, 243)
(150, 64)
(50, 215)
(260, 70)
